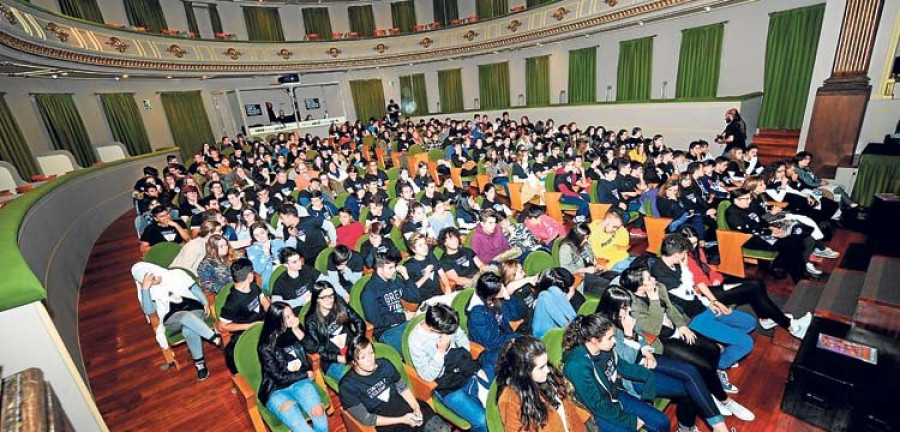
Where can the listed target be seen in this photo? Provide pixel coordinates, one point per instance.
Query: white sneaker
(767, 324)
(804, 320)
(826, 253)
(837, 215)
(723, 409)
(740, 411)
(811, 269)
(797, 329)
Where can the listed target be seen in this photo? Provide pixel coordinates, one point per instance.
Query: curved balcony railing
(39, 32)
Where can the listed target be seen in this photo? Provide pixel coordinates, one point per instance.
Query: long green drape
(83, 9)
(583, 75)
(403, 15)
(193, 27)
(214, 19)
(362, 20)
(263, 24)
(493, 85)
(487, 9)
(450, 90)
(635, 73)
(537, 81)
(13, 147)
(368, 98)
(65, 127)
(536, 3)
(188, 121)
(445, 11)
(698, 62)
(413, 98)
(790, 56)
(125, 122)
(147, 14)
(317, 21)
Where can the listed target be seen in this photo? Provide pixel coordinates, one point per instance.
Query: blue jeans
(732, 330)
(305, 397)
(465, 403)
(623, 265)
(682, 382)
(394, 336)
(583, 203)
(193, 328)
(336, 370)
(654, 421)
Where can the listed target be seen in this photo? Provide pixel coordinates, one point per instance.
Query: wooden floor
(134, 393)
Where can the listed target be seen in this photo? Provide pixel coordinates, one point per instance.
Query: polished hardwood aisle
(134, 393)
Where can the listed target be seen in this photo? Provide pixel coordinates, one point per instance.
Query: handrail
(19, 285)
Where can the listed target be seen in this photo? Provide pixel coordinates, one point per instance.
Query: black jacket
(320, 337)
(274, 363)
(746, 221)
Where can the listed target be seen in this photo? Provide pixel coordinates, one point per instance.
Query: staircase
(776, 144)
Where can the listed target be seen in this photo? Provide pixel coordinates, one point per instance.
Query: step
(803, 300)
(840, 295)
(878, 308)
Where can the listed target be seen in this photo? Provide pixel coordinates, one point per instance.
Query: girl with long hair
(556, 300)
(490, 312)
(287, 388)
(214, 271)
(263, 252)
(576, 256)
(532, 393)
(331, 323)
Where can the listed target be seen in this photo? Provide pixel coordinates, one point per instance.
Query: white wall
(882, 113)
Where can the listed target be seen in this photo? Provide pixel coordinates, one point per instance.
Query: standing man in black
(735, 134)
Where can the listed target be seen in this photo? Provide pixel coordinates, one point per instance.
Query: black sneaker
(202, 371)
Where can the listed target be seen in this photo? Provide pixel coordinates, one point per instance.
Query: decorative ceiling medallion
(118, 44)
(381, 48)
(176, 51)
(57, 31)
(561, 13)
(514, 25)
(471, 34)
(426, 42)
(285, 53)
(8, 14)
(334, 52)
(233, 53)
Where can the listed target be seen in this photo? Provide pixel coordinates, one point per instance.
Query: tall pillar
(840, 104)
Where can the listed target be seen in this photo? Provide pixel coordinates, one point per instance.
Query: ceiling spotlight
(707, 8)
(117, 78)
(64, 73)
(54, 76)
(496, 52)
(640, 23)
(169, 77)
(540, 44)
(124, 76)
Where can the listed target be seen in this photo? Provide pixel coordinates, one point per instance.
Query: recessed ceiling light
(640, 23)
(707, 8)
(169, 77)
(124, 76)
(54, 76)
(64, 73)
(117, 78)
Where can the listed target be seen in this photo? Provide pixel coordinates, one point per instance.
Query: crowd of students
(254, 216)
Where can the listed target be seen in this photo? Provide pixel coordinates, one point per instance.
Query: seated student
(487, 240)
(235, 206)
(520, 237)
(373, 173)
(319, 207)
(629, 189)
(193, 252)
(263, 202)
(375, 244)
(532, 392)
(422, 177)
(416, 222)
(180, 306)
(440, 218)
(345, 267)
(405, 198)
(282, 187)
(287, 388)
(459, 263)
(378, 212)
(490, 312)
(423, 268)
(306, 233)
(294, 284)
(163, 229)
(692, 196)
(245, 305)
(794, 245)
(381, 299)
(460, 159)
(809, 180)
(214, 271)
(263, 251)
(492, 201)
(353, 182)
(374, 393)
(374, 193)
(349, 232)
(431, 194)
(356, 202)
(544, 227)
(190, 203)
(609, 240)
(440, 353)
(780, 188)
(555, 297)
(711, 184)
(572, 187)
(675, 379)
(596, 372)
(656, 314)
(736, 165)
(576, 256)
(330, 322)
(720, 176)
(670, 205)
(466, 213)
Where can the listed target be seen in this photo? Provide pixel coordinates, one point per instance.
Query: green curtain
(215, 19)
(790, 56)
(191, 18)
(83, 9)
(635, 75)
(147, 14)
(413, 97)
(493, 85)
(13, 147)
(698, 63)
(536, 3)
(316, 20)
(65, 127)
(362, 20)
(125, 121)
(487, 9)
(368, 98)
(583, 75)
(263, 24)
(537, 81)
(187, 121)
(450, 90)
(445, 11)
(403, 15)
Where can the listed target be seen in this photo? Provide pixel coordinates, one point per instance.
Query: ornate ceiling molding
(159, 53)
